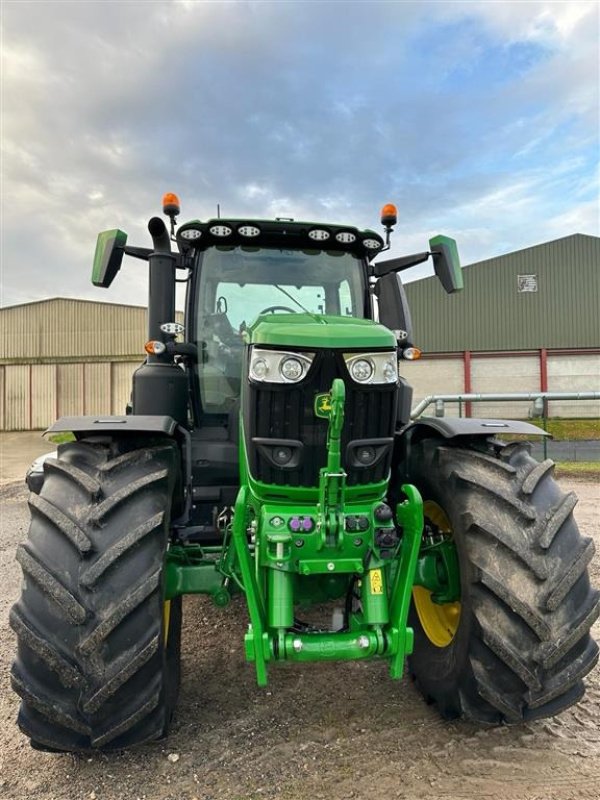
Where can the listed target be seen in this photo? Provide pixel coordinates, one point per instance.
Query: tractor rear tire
(97, 666)
(521, 646)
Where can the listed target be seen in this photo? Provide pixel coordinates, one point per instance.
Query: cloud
(478, 119)
(551, 22)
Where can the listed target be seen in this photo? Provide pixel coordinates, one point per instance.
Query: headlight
(291, 369)
(189, 234)
(277, 366)
(259, 369)
(372, 367)
(362, 370)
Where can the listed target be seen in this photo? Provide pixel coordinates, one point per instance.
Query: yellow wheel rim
(439, 621)
(166, 620)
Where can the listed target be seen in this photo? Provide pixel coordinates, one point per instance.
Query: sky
(479, 120)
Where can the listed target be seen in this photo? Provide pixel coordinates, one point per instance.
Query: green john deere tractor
(268, 450)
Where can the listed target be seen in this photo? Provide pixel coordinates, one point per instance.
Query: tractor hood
(320, 331)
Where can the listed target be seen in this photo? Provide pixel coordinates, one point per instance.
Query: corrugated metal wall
(70, 329)
(42, 394)
(70, 390)
(32, 396)
(492, 314)
(67, 357)
(16, 398)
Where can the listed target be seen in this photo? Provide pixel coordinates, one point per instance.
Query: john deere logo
(323, 405)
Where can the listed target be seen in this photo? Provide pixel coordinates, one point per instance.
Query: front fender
(449, 427)
(130, 423)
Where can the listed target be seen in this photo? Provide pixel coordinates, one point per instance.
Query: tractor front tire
(97, 666)
(521, 645)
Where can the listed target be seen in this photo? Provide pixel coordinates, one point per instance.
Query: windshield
(237, 284)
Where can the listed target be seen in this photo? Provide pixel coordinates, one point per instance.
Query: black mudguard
(449, 427)
(153, 426)
(131, 423)
(452, 428)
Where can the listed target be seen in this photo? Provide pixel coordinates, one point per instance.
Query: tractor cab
(234, 286)
(251, 280)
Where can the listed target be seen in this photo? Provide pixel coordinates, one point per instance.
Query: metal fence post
(545, 424)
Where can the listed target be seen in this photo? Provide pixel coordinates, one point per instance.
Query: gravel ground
(334, 731)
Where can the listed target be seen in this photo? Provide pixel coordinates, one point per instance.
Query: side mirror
(447, 263)
(110, 249)
(394, 312)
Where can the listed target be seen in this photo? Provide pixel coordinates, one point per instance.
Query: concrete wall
(574, 374)
(434, 376)
(494, 373)
(504, 374)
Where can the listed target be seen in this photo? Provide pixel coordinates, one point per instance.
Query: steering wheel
(273, 309)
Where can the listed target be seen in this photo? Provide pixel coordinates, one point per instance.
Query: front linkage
(281, 554)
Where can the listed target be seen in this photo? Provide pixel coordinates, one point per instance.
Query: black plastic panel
(286, 411)
(470, 426)
(125, 424)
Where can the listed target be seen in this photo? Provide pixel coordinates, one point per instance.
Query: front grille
(285, 412)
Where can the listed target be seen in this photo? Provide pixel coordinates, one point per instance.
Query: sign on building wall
(527, 283)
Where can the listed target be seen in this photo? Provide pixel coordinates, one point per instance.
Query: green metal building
(545, 296)
(525, 321)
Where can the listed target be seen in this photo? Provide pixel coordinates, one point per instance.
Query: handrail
(488, 398)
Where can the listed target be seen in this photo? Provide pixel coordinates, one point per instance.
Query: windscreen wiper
(316, 317)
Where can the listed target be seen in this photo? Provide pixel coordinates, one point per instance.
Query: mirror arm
(144, 253)
(138, 252)
(398, 264)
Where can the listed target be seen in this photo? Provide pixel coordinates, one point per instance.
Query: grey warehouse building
(62, 357)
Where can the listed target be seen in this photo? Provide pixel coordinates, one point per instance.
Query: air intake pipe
(161, 290)
(160, 387)
(160, 235)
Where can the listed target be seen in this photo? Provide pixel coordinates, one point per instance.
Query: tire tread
(531, 605)
(91, 668)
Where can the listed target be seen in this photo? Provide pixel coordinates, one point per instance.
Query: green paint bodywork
(453, 279)
(193, 569)
(319, 331)
(279, 568)
(437, 570)
(306, 494)
(108, 256)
